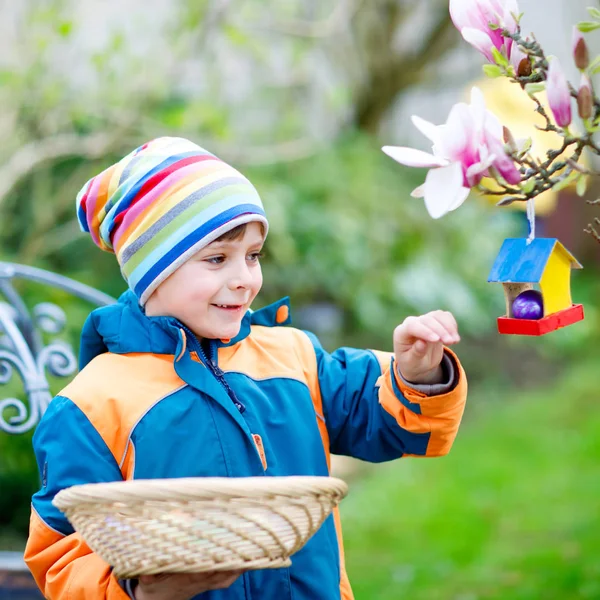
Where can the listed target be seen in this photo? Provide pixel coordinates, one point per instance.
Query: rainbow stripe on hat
(160, 205)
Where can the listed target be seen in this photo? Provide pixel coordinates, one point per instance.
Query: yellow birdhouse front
(543, 262)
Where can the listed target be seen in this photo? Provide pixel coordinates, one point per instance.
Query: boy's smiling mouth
(230, 307)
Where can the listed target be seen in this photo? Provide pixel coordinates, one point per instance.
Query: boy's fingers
(448, 322)
(223, 579)
(438, 327)
(217, 575)
(148, 579)
(415, 328)
(228, 580)
(432, 327)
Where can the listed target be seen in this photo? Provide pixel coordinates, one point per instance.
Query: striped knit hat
(161, 204)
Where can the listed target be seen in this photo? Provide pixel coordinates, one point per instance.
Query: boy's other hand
(419, 346)
(182, 586)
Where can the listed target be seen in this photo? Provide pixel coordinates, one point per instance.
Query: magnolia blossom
(464, 150)
(473, 17)
(559, 94)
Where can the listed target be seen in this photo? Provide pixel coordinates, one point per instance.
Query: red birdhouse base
(550, 323)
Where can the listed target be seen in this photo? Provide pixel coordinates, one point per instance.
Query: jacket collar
(124, 328)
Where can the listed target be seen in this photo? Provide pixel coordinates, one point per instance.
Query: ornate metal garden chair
(25, 362)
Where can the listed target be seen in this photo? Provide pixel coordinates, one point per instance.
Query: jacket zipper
(214, 368)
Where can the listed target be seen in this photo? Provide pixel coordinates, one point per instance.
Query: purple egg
(528, 305)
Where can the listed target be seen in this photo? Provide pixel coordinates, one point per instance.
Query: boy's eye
(215, 260)
(255, 256)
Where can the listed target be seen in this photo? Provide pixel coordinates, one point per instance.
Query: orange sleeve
(439, 416)
(65, 568)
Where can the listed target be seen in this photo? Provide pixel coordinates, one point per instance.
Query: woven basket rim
(198, 489)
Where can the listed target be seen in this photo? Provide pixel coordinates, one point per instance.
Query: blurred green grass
(512, 512)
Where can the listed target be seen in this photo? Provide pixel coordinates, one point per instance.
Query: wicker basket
(199, 524)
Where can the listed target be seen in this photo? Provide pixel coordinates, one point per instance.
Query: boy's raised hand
(419, 345)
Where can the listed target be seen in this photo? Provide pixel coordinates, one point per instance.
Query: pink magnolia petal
(443, 189)
(506, 167)
(516, 56)
(462, 195)
(502, 162)
(486, 120)
(457, 133)
(507, 10)
(478, 108)
(426, 128)
(477, 15)
(460, 13)
(472, 13)
(418, 192)
(493, 125)
(464, 149)
(510, 8)
(479, 40)
(501, 12)
(414, 158)
(477, 171)
(477, 99)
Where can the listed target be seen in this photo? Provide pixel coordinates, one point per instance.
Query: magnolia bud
(507, 201)
(524, 69)
(509, 140)
(580, 50)
(585, 101)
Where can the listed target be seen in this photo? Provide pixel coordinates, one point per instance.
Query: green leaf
(595, 63)
(528, 186)
(493, 71)
(581, 186)
(594, 12)
(534, 88)
(587, 26)
(117, 42)
(500, 59)
(236, 36)
(64, 29)
(594, 68)
(565, 182)
(8, 77)
(526, 146)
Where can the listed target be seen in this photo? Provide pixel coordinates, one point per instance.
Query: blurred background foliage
(300, 97)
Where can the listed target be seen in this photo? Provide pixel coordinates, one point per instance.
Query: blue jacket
(151, 402)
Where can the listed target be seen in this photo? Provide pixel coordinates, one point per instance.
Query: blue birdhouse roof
(519, 262)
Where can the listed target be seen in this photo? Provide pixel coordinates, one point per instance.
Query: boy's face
(211, 292)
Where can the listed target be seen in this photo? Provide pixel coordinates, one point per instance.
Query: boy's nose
(240, 278)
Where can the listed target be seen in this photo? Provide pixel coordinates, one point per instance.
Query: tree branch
(388, 78)
(32, 155)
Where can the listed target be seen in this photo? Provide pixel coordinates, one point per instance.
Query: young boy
(181, 379)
